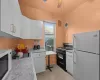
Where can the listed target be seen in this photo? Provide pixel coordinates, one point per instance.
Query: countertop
(4, 52)
(50, 53)
(42, 50)
(22, 69)
(37, 51)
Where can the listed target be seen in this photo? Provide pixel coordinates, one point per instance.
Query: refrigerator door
(86, 66)
(88, 41)
(78, 64)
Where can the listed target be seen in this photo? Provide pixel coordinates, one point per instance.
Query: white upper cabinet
(10, 17)
(25, 28)
(6, 20)
(16, 17)
(13, 23)
(36, 29)
(31, 29)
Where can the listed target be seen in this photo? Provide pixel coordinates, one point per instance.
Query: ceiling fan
(59, 3)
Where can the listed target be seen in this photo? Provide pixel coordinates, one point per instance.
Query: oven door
(60, 56)
(3, 66)
(61, 59)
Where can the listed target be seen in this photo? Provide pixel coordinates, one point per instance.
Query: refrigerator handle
(74, 37)
(74, 57)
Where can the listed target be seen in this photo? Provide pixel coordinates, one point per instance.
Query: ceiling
(51, 5)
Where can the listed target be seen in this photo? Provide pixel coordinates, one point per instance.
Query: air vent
(44, 0)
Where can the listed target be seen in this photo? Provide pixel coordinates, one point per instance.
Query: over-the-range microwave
(5, 65)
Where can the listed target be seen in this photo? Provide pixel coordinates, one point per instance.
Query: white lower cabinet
(39, 61)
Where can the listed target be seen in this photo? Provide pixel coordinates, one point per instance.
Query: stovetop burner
(65, 47)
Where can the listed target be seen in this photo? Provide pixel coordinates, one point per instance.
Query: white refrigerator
(86, 56)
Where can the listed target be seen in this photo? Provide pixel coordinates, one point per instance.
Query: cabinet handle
(14, 29)
(11, 28)
(74, 57)
(95, 35)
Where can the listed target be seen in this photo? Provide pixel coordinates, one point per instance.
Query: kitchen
(71, 18)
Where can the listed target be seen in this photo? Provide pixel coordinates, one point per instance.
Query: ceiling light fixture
(44, 0)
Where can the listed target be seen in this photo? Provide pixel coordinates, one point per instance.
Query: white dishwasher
(69, 61)
(39, 61)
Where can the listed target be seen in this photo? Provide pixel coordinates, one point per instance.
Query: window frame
(50, 34)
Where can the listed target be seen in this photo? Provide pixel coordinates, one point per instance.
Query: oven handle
(60, 55)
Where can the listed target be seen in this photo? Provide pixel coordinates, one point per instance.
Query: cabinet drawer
(39, 54)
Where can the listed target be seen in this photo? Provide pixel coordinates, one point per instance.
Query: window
(49, 36)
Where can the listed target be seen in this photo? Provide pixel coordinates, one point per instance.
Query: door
(86, 66)
(40, 64)
(36, 29)
(6, 19)
(88, 41)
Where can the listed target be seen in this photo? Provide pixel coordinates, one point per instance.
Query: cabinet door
(36, 29)
(16, 17)
(6, 19)
(40, 64)
(25, 28)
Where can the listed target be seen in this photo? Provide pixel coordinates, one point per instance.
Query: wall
(84, 18)
(38, 14)
(8, 43)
